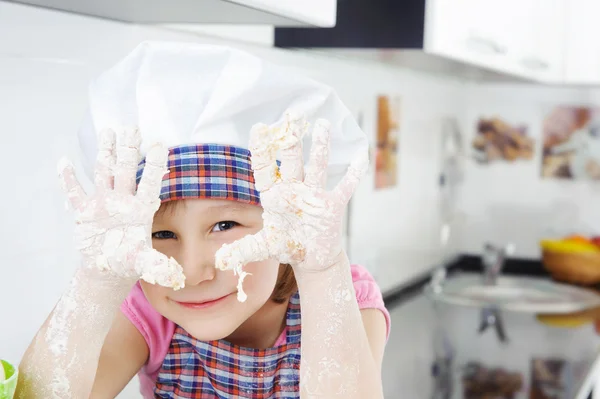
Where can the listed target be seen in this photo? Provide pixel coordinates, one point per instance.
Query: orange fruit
(597, 326)
(578, 238)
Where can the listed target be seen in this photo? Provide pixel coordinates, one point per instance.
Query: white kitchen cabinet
(320, 13)
(316, 13)
(519, 37)
(582, 55)
(540, 50)
(464, 30)
(550, 39)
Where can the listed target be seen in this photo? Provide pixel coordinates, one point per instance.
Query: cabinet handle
(477, 42)
(534, 63)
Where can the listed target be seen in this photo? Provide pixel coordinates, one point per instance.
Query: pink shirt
(158, 331)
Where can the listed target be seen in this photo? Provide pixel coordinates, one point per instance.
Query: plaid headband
(207, 171)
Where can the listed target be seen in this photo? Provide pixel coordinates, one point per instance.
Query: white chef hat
(184, 93)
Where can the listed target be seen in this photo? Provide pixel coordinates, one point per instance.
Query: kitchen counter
(395, 271)
(409, 357)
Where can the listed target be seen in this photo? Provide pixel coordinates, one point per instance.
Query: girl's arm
(113, 229)
(302, 225)
(339, 359)
(62, 360)
(124, 353)
(376, 327)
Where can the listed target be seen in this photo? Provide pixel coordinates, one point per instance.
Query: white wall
(45, 66)
(510, 202)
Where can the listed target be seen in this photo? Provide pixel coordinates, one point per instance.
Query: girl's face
(191, 231)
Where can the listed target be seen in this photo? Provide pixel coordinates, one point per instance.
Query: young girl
(293, 320)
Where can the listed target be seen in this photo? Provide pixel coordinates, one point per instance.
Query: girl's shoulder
(368, 294)
(365, 285)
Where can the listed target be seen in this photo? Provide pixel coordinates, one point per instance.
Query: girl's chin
(213, 333)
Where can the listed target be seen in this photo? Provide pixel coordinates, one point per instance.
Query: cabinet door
(321, 13)
(551, 38)
(582, 47)
(486, 33)
(541, 55)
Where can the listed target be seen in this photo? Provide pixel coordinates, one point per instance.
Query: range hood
(433, 35)
(318, 13)
(372, 24)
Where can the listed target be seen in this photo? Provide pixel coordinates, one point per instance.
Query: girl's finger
(292, 160)
(71, 186)
(128, 150)
(157, 268)
(234, 256)
(155, 169)
(346, 187)
(251, 248)
(316, 170)
(105, 160)
(264, 162)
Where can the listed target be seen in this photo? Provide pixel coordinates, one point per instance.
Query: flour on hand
(301, 220)
(113, 225)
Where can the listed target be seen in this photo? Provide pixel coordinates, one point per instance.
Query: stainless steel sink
(521, 294)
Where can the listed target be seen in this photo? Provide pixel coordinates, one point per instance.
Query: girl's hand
(113, 225)
(302, 221)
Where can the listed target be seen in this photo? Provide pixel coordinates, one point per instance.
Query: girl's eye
(222, 226)
(163, 235)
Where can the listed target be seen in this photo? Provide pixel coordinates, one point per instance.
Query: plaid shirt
(218, 369)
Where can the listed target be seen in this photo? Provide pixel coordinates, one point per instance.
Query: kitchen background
(48, 57)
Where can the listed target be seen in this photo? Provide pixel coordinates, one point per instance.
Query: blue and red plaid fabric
(208, 171)
(194, 369)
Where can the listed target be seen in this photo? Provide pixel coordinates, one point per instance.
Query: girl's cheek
(151, 294)
(264, 268)
(155, 294)
(263, 276)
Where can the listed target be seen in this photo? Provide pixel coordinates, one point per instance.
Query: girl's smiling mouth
(202, 304)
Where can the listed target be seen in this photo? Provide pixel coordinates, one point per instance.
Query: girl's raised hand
(302, 221)
(113, 224)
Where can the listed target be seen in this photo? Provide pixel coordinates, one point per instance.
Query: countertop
(395, 271)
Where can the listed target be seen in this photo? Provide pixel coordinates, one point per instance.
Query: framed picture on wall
(498, 140)
(386, 151)
(571, 143)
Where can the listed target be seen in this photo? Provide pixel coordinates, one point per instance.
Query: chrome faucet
(493, 259)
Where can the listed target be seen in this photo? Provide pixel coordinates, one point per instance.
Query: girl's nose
(198, 264)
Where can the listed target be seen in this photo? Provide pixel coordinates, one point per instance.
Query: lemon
(2, 375)
(564, 321)
(568, 246)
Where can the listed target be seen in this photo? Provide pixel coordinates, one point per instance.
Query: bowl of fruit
(573, 259)
(8, 380)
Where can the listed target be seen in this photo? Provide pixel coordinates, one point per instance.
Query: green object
(9, 385)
